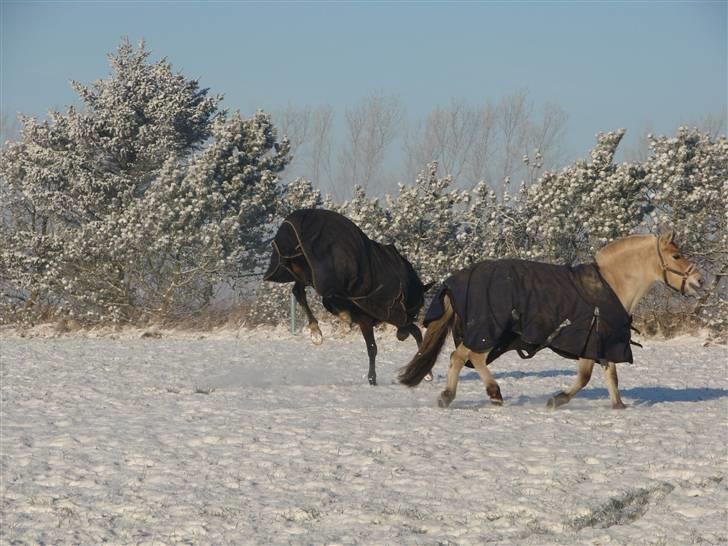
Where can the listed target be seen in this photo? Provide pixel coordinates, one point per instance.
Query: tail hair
(423, 362)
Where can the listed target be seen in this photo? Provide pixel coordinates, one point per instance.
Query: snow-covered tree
(366, 212)
(577, 210)
(139, 202)
(686, 183)
(424, 223)
(493, 228)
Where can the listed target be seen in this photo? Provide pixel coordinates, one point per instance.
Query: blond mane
(617, 248)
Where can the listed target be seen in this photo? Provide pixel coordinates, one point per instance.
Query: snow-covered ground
(264, 438)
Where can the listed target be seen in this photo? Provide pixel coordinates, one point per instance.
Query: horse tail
(424, 360)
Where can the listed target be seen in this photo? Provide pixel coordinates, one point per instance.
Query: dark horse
(359, 280)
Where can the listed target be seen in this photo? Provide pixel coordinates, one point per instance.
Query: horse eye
(676, 256)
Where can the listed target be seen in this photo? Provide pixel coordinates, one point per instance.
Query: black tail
(424, 360)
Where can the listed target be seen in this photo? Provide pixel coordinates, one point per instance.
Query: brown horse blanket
(526, 306)
(344, 263)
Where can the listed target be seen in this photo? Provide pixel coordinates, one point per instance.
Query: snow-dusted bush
(686, 184)
(148, 198)
(573, 212)
(493, 228)
(139, 203)
(424, 221)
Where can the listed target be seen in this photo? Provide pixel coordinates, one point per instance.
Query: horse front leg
(367, 329)
(299, 291)
(583, 375)
(457, 361)
(612, 381)
(491, 385)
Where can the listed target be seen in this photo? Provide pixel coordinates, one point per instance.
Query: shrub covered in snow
(686, 185)
(146, 200)
(138, 204)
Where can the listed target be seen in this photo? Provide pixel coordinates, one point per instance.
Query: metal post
(293, 313)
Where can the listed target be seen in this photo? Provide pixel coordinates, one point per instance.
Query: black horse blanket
(526, 306)
(345, 264)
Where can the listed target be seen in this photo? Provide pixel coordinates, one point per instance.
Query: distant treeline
(142, 204)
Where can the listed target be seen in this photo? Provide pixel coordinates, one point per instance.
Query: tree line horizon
(140, 203)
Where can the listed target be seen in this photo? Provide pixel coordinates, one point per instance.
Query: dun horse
(582, 312)
(358, 279)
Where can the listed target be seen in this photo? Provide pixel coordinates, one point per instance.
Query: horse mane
(616, 248)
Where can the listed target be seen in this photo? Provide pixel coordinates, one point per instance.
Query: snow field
(265, 439)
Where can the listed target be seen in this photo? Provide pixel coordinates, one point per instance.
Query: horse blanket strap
(284, 256)
(631, 327)
(526, 354)
(344, 264)
(355, 298)
(505, 305)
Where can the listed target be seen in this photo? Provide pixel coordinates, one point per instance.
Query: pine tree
(138, 203)
(686, 184)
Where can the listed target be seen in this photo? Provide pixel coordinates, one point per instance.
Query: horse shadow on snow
(639, 396)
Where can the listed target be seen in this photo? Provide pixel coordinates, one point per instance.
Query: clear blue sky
(608, 64)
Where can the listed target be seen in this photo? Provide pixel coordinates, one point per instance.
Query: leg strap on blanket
(594, 324)
(525, 354)
(634, 330)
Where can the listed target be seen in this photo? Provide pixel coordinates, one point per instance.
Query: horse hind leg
(299, 291)
(491, 385)
(457, 361)
(403, 332)
(583, 375)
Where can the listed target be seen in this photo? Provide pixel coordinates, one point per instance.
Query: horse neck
(630, 267)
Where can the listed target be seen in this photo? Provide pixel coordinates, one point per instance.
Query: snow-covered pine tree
(492, 228)
(139, 202)
(366, 212)
(424, 221)
(577, 210)
(686, 181)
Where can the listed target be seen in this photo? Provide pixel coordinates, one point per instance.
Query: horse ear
(667, 235)
(427, 286)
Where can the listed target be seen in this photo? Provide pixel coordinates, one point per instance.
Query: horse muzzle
(694, 283)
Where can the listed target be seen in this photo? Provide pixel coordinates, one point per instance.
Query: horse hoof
(316, 336)
(619, 406)
(557, 401)
(373, 381)
(428, 377)
(498, 403)
(445, 399)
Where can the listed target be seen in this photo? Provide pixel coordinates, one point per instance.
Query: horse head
(677, 272)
